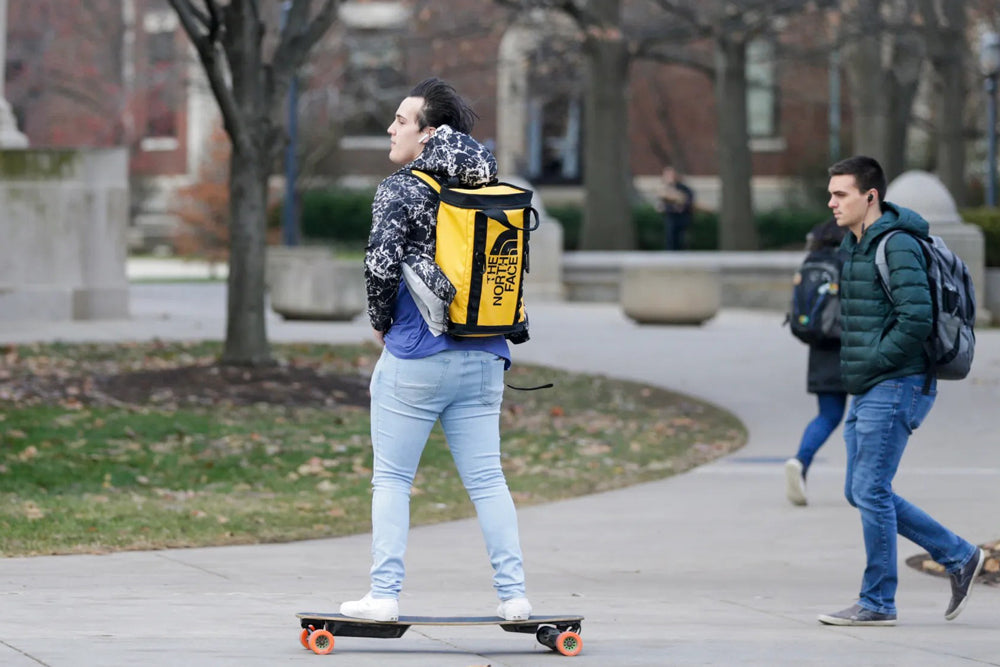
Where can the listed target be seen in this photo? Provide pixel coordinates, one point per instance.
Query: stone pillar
(512, 98)
(10, 136)
(926, 194)
(544, 281)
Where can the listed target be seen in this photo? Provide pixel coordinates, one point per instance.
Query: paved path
(712, 567)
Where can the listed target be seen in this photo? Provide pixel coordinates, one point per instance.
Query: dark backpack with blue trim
(815, 310)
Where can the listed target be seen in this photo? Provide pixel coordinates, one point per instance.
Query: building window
(762, 106)
(163, 87)
(554, 140)
(374, 81)
(374, 70)
(555, 111)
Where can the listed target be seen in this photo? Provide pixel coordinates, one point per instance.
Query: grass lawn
(145, 446)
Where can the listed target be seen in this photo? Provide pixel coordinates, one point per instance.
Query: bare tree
(884, 57)
(250, 90)
(607, 223)
(730, 27)
(668, 31)
(944, 23)
(71, 65)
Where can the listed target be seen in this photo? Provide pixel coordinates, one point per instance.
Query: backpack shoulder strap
(883, 273)
(881, 263)
(427, 178)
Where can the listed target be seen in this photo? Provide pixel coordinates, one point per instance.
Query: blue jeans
(464, 390)
(878, 425)
(831, 411)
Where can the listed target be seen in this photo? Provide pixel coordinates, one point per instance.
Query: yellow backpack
(482, 246)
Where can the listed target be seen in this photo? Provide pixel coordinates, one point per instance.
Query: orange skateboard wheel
(569, 643)
(304, 636)
(321, 642)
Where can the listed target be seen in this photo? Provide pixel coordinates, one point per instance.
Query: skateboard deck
(559, 633)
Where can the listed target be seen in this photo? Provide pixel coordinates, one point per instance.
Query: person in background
(676, 202)
(422, 378)
(822, 379)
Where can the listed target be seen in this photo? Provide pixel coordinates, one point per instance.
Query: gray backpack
(952, 342)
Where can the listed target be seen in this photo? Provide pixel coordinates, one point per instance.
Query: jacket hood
(894, 217)
(455, 155)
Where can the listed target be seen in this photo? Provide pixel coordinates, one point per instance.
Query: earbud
(869, 197)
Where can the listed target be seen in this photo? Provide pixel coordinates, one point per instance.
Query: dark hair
(443, 106)
(867, 173)
(826, 234)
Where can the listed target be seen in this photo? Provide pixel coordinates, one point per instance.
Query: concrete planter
(310, 284)
(684, 293)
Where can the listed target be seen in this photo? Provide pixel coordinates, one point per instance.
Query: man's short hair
(443, 106)
(867, 173)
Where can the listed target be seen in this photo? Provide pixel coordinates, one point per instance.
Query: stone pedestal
(63, 215)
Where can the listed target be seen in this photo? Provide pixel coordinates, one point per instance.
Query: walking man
(884, 367)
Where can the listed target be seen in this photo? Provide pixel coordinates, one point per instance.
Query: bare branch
(209, 50)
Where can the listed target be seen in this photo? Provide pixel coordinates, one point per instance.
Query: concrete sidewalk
(712, 567)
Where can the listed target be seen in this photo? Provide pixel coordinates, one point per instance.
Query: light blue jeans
(878, 425)
(464, 390)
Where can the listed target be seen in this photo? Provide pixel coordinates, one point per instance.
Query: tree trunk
(902, 74)
(869, 101)
(947, 51)
(607, 223)
(246, 334)
(883, 68)
(736, 220)
(229, 38)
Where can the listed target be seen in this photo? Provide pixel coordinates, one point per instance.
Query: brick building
(120, 72)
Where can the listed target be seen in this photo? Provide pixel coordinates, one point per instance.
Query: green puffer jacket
(880, 339)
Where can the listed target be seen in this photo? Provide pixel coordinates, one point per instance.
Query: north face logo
(502, 266)
(505, 244)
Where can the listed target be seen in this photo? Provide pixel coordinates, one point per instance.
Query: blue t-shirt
(409, 337)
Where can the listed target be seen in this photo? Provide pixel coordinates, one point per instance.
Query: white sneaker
(795, 483)
(374, 609)
(514, 609)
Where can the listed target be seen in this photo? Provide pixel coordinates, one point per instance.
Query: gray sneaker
(795, 482)
(961, 584)
(857, 615)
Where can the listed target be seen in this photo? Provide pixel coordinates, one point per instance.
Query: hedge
(987, 219)
(343, 216)
(778, 229)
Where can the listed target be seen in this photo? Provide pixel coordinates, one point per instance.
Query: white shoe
(795, 483)
(514, 609)
(374, 609)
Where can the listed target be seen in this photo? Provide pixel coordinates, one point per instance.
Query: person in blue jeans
(823, 380)
(426, 376)
(884, 367)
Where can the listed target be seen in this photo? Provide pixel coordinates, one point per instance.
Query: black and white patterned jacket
(404, 216)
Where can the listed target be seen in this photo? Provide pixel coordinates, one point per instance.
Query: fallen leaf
(932, 566)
